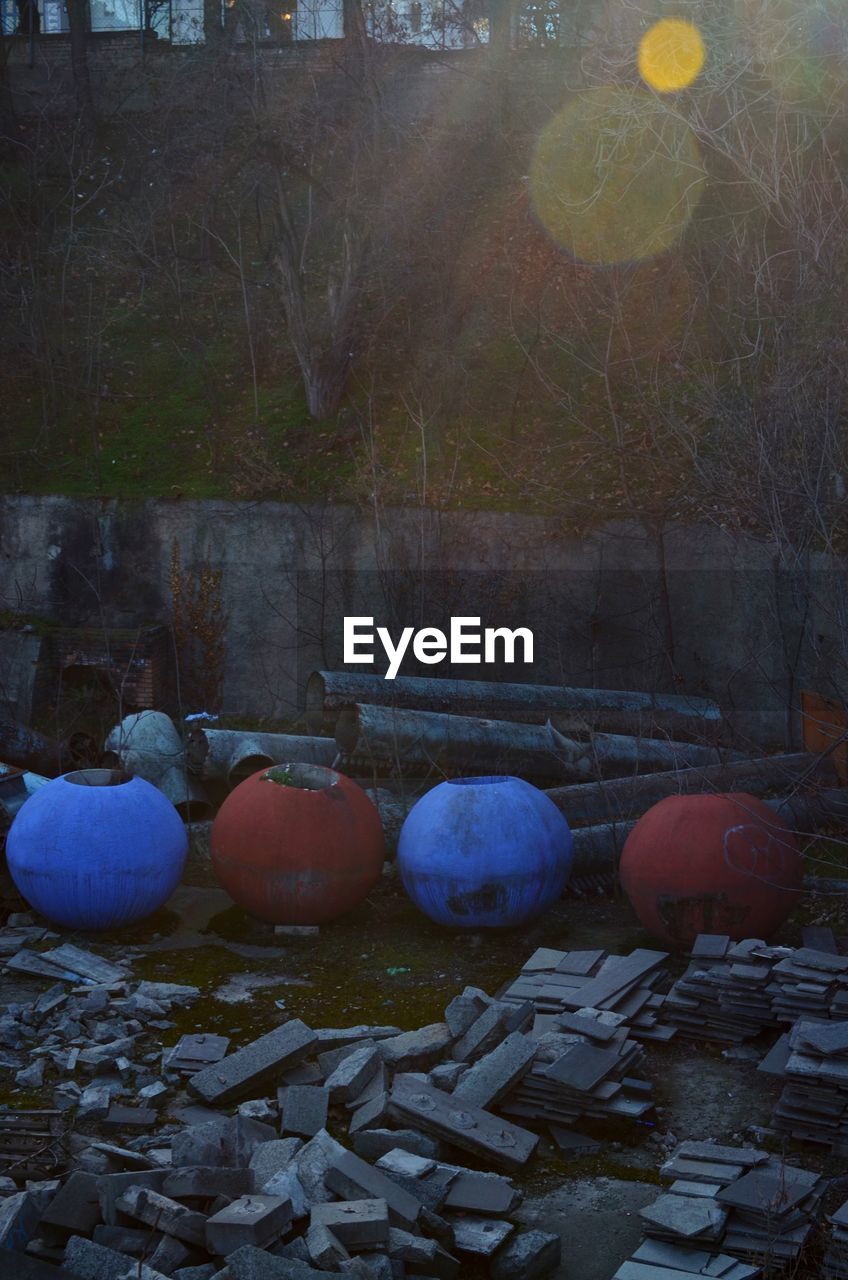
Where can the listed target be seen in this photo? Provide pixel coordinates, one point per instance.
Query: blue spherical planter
(96, 849)
(484, 852)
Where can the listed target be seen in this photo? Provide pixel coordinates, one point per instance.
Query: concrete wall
(703, 612)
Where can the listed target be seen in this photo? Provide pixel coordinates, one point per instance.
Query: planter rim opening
(487, 780)
(302, 777)
(98, 777)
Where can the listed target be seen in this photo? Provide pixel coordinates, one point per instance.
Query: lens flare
(671, 55)
(615, 176)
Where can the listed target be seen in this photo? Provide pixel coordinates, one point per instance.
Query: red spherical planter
(711, 864)
(301, 851)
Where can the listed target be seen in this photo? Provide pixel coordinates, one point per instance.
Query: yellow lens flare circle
(616, 176)
(671, 55)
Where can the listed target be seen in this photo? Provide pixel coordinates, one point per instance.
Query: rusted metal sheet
(327, 692)
(231, 755)
(824, 725)
(629, 797)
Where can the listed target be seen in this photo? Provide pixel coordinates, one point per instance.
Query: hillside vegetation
(526, 281)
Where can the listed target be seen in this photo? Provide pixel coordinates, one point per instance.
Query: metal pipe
(28, 749)
(232, 755)
(147, 744)
(617, 798)
(426, 738)
(327, 692)
(413, 738)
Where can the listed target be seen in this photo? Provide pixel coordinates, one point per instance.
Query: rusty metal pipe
(231, 755)
(624, 798)
(327, 692)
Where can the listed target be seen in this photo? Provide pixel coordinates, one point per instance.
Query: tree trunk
(79, 24)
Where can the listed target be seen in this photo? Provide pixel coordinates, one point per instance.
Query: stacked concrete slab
(733, 991)
(564, 982)
(812, 1062)
(737, 1201)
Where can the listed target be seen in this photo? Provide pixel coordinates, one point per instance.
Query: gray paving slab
(255, 1220)
(492, 1076)
(256, 1064)
(469, 1128)
(352, 1178)
(356, 1223)
(481, 1236)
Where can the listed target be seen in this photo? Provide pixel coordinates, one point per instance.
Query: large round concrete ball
(297, 844)
(484, 852)
(96, 849)
(711, 864)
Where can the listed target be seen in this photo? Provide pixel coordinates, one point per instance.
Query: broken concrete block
(201, 1144)
(256, 1220)
(132, 1240)
(312, 1163)
(206, 1183)
(480, 1235)
(376, 1084)
(241, 1137)
(19, 1217)
(492, 1076)
(484, 1034)
(31, 1077)
(477, 1192)
(270, 1158)
(330, 1059)
(89, 1261)
(370, 1144)
(169, 1254)
(325, 1251)
(356, 1223)
(303, 1109)
(370, 1115)
(192, 1053)
(405, 1163)
(254, 1065)
(464, 1010)
(468, 1127)
(416, 1050)
(416, 1250)
(119, 1118)
(529, 1255)
(287, 1184)
(205, 1271)
(111, 1186)
(447, 1075)
(95, 1102)
(74, 1210)
(164, 1214)
(353, 1179)
(378, 1265)
(354, 1072)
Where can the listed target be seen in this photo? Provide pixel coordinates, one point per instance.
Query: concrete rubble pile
(812, 1061)
(197, 1161)
(561, 984)
(726, 1203)
(733, 991)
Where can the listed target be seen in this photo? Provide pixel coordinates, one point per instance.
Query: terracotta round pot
(297, 844)
(711, 864)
